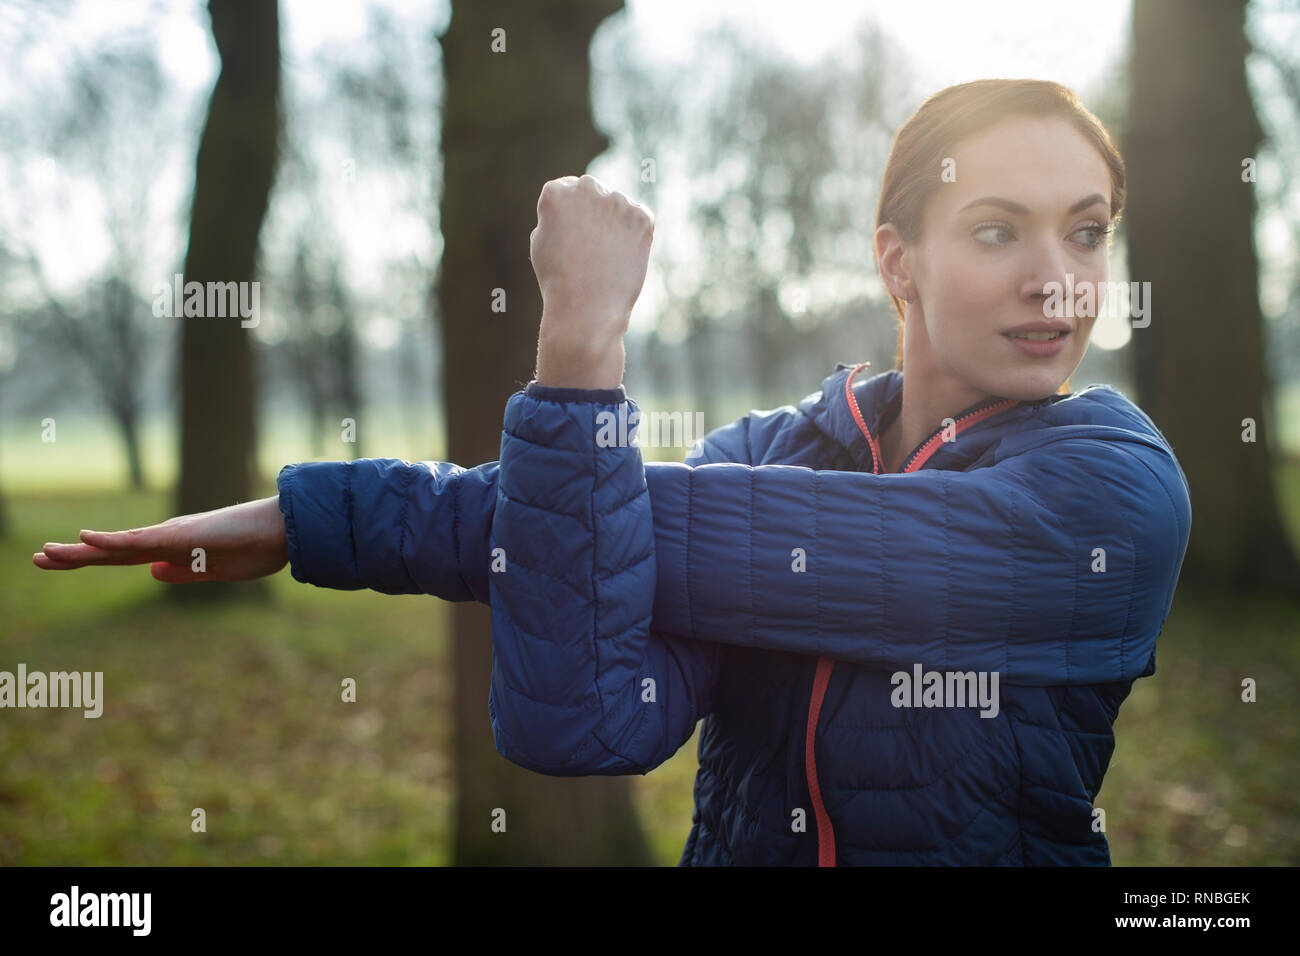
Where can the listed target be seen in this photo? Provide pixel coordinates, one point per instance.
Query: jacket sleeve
(1054, 566)
(392, 526)
(581, 684)
(401, 527)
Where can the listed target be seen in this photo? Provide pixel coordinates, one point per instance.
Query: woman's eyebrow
(1015, 207)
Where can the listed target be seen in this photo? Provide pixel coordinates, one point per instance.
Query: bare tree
(513, 119)
(233, 175)
(1201, 374)
(106, 327)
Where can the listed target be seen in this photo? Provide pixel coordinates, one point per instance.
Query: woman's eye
(997, 234)
(1099, 234)
(993, 228)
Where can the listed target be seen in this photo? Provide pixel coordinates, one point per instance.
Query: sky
(952, 40)
(944, 41)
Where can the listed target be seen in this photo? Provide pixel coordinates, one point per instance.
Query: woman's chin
(1026, 384)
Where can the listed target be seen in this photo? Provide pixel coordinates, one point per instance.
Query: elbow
(557, 745)
(531, 757)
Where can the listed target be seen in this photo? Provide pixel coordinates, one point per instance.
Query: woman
(908, 649)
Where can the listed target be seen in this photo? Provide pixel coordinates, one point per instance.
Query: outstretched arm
(1055, 566)
(384, 524)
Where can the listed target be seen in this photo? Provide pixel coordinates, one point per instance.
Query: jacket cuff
(556, 393)
(283, 483)
(312, 495)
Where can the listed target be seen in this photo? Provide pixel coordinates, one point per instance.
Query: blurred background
(374, 165)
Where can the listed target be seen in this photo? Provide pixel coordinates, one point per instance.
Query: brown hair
(915, 159)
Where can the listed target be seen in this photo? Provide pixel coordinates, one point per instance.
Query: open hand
(238, 543)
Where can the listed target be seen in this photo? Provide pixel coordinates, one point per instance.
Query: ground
(236, 710)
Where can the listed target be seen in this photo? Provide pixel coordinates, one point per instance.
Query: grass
(236, 710)
(1200, 777)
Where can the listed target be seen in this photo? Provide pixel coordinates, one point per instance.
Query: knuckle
(594, 185)
(551, 190)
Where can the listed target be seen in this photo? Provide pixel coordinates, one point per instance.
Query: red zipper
(821, 679)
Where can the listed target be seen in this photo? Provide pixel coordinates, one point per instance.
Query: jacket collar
(879, 398)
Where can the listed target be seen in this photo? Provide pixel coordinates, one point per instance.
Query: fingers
(549, 189)
(591, 182)
(66, 557)
(102, 548)
(137, 539)
(46, 563)
(161, 570)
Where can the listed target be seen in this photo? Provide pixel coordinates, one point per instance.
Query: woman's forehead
(1042, 164)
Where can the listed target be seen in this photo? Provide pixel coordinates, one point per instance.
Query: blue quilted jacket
(820, 616)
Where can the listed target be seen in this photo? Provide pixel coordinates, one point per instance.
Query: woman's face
(1029, 206)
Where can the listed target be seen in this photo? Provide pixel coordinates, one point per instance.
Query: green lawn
(1200, 778)
(236, 710)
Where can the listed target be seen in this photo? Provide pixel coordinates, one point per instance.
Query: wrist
(564, 361)
(275, 534)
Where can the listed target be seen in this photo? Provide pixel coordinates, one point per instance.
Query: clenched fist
(590, 251)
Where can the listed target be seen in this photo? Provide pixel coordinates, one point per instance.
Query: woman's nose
(1047, 276)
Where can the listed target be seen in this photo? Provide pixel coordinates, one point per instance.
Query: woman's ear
(890, 261)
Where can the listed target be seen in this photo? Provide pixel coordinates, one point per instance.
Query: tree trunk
(128, 426)
(317, 404)
(701, 363)
(232, 183)
(769, 339)
(1199, 364)
(511, 121)
(345, 347)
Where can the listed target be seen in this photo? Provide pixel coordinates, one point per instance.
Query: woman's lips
(1037, 346)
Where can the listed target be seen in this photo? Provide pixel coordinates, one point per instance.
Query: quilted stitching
(631, 571)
